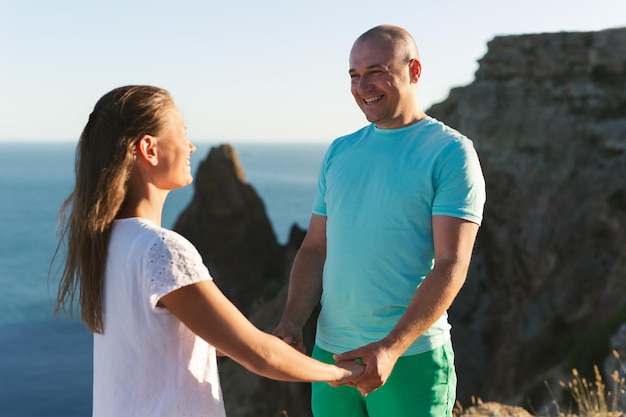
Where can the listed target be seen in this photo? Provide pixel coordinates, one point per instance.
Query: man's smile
(371, 100)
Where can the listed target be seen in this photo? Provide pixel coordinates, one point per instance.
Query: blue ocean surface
(46, 362)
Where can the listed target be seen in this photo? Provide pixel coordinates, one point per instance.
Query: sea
(46, 361)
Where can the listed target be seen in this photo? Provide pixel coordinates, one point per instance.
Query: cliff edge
(547, 114)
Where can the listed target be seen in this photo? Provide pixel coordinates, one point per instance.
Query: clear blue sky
(244, 70)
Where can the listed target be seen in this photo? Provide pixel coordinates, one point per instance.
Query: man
(394, 221)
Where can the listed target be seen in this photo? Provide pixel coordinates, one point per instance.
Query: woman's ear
(147, 150)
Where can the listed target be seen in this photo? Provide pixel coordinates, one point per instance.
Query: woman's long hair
(104, 159)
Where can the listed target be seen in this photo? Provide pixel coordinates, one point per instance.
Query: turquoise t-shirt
(379, 189)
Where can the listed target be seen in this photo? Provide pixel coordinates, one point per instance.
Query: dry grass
(585, 398)
(594, 398)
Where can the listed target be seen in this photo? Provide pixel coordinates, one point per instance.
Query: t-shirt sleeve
(319, 203)
(459, 184)
(172, 262)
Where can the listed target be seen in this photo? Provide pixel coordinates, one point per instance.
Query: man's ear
(147, 150)
(415, 68)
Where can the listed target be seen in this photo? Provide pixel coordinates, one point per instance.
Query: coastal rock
(227, 222)
(493, 410)
(547, 114)
(249, 395)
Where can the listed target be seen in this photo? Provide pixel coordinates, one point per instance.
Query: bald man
(393, 225)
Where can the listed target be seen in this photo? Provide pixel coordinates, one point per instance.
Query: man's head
(385, 69)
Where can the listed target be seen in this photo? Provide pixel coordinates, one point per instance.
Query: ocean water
(45, 362)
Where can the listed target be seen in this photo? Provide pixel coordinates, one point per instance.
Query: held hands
(378, 361)
(291, 334)
(354, 370)
(368, 366)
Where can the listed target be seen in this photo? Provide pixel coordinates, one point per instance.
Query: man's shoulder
(446, 136)
(347, 141)
(436, 126)
(354, 135)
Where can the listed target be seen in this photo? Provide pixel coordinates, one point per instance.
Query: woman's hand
(353, 370)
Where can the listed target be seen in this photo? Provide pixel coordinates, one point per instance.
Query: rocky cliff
(226, 221)
(547, 114)
(547, 285)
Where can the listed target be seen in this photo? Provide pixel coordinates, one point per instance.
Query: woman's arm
(204, 309)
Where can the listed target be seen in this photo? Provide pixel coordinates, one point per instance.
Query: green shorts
(422, 385)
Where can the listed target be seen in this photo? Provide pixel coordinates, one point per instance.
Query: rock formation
(547, 285)
(493, 410)
(226, 221)
(547, 114)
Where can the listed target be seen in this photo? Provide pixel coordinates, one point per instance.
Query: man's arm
(453, 241)
(305, 284)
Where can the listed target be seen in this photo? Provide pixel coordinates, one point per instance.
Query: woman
(156, 314)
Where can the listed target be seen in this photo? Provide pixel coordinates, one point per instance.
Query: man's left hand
(378, 361)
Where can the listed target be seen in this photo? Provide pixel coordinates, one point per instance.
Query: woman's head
(105, 157)
(106, 150)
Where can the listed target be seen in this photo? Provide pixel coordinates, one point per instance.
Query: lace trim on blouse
(173, 262)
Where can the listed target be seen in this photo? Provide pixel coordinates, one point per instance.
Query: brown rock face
(493, 410)
(226, 221)
(547, 114)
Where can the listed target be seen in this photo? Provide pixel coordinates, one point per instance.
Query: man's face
(382, 82)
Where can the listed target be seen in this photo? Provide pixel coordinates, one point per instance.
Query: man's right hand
(291, 334)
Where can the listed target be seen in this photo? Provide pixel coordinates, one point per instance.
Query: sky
(244, 71)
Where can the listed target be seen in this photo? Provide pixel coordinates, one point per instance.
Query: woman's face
(173, 151)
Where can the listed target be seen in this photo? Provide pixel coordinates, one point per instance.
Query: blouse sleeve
(172, 262)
